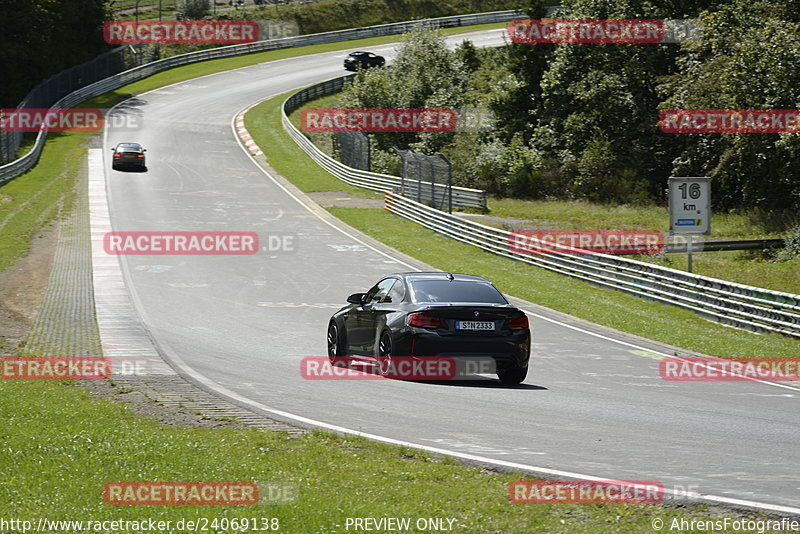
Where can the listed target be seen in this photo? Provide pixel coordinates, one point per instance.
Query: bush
(194, 9)
(791, 251)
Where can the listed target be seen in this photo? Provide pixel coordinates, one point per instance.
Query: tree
(42, 37)
(425, 74)
(194, 9)
(518, 105)
(746, 60)
(593, 107)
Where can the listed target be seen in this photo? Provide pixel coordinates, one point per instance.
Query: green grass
(60, 448)
(306, 174)
(322, 140)
(744, 267)
(737, 266)
(570, 215)
(29, 203)
(610, 308)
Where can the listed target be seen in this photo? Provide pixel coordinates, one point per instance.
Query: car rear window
(456, 291)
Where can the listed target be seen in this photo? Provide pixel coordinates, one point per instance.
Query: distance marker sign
(690, 205)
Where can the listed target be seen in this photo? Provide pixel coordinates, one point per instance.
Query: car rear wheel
(335, 350)
(385, 354)
(513, 376)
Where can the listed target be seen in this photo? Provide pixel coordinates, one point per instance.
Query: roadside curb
(245, 136)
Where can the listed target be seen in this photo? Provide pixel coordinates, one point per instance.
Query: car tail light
(423, 320)
(116, 155)
(518, 323)
(141, 155)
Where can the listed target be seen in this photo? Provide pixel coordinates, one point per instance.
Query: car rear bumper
(506, 352)
(130, 163)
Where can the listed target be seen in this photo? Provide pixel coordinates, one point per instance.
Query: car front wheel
(335, 350)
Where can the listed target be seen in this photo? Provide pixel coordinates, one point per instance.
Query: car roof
(437, 275)
(359, 53)
(129, 145)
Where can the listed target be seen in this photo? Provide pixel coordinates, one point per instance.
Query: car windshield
(456, 291)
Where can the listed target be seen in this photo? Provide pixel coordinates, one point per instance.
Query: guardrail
(463, 197)
(23, 164)
(729, 303)
(715, 246)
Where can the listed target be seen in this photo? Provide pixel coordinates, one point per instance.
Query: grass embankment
(60, 449)
(610, 308)
(745, 267)
(29, 203)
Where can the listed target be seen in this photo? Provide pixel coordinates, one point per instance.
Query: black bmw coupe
(433, 314)
(365, 60)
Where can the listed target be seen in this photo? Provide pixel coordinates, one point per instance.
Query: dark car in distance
(363, 60)
(128, 155)
(432, 314)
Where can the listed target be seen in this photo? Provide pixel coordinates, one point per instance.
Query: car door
(384, 303)
(360, 321)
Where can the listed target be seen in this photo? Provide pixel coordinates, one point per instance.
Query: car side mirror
(144, 150)
(356, 298)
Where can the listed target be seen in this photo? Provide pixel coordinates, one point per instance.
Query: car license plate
(474, 325)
